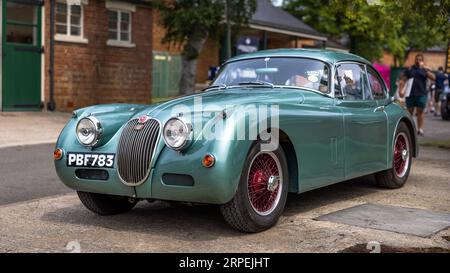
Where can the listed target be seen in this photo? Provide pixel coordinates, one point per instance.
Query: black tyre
(103, 204)
(401, 161)
(262, 191)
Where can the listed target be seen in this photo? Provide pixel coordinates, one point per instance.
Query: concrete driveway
(50, 224)
(29, 128)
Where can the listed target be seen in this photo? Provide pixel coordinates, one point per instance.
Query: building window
(119, 24)
(69, 22)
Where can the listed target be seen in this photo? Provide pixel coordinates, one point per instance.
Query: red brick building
(101, 53)
(102, 65)
(107, 51)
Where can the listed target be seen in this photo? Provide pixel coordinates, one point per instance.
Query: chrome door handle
(379, 109)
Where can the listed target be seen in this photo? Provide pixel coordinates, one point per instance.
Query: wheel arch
(291, 157)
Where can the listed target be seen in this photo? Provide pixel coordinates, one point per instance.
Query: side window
(376, 84)
(352, 80)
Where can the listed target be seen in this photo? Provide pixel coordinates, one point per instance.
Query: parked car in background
(329, 118)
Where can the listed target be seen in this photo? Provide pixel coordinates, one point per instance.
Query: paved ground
(49, 224)
(27, 128)
(27, 172)
(435, 128)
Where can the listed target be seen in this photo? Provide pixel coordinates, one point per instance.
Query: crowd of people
(421, 90)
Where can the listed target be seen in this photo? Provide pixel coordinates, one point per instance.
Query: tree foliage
(369, 27)
(189, 23)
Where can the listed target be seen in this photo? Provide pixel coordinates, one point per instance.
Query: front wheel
(401, 161)
(262, 191)
(103, 204)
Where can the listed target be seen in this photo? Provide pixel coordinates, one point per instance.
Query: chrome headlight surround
(92, 130)
(177, 133)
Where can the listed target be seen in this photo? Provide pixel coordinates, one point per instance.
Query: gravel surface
(49, 224)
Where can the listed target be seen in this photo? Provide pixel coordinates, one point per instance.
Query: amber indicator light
(57, 154)
(208, 161)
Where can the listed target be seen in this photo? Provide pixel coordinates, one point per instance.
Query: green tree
(189, 23)
(418, 25)
(373, 26)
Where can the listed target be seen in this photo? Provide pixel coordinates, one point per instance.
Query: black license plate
(92, 160)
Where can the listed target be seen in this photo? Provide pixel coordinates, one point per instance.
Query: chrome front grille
(136, 149)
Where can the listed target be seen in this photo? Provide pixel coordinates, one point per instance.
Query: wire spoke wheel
(262, 191)
(401, 155)
(264, 183)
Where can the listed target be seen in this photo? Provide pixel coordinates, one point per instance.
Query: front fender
(397, 114)
(111, 116)
(216, 185)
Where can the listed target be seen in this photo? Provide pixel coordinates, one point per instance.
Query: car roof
(325, 55)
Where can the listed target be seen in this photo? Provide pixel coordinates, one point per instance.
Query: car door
(380, 94)
(365, 122)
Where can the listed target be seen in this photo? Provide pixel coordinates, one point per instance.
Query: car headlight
(88, 131)
(177, 133)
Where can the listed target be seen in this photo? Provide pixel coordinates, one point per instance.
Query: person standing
(417, 99)
(440, 79)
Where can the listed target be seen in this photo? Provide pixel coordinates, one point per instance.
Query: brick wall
(95, 73)
(433, 59)
(305, 42)
(284, 41)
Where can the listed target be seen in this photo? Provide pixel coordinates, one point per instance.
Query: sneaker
(420, 132)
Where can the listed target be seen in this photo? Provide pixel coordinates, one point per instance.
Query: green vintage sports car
(272, 122)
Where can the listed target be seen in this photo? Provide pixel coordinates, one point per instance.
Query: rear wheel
(401, 161)
(262, 191)
(103, 204)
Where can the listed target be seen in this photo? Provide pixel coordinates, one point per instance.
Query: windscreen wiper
(219, 86)
(257, 82)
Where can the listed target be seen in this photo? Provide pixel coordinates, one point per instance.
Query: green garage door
(166, 75)
(21, 55)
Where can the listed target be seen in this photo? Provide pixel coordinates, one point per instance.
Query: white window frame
(68, 37)
(121, 7)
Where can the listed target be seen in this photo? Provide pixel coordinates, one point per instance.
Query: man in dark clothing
(440, 79)
(417, 99)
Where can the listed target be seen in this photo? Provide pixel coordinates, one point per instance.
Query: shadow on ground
(201, 222)
(299, 203)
